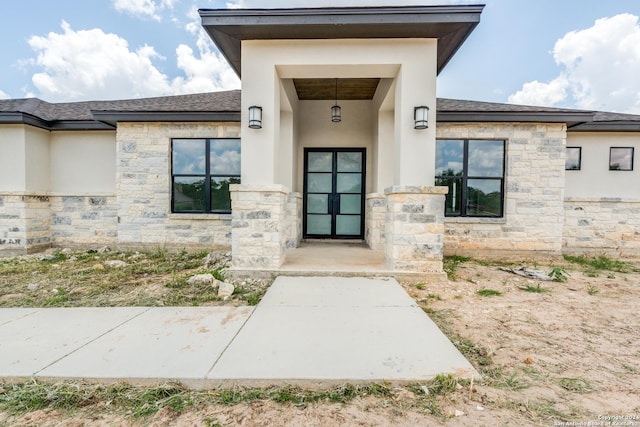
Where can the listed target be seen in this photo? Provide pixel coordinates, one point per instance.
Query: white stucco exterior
(268, 66)
(594, 179)
(83, 162)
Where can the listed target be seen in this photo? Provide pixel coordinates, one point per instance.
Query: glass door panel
(334, 193)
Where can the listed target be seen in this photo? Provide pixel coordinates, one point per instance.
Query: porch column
(414, 224)
(260, 225)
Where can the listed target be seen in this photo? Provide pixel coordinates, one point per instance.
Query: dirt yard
(551, 353)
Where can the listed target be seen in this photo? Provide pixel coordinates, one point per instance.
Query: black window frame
(579, 158)
(207, 176)
(632, 159)
(465, 177)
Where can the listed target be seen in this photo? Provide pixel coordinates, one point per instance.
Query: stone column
(259, 226)
(414, 227)
(376, 213)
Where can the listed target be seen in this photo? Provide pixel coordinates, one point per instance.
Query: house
(337, 134)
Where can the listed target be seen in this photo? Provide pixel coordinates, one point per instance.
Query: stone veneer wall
(261, 225)
(24, 224)
(414, 228)
(608, 226)
(144, 187)
(84, 221)
(376, 210)
(534, 192)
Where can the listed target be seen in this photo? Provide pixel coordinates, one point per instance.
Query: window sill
(196, 216)
(474, 220)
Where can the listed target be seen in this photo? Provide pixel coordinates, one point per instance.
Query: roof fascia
(501, 116)
(228, 27)
(620, 126)
(113, 117)
(23, 118)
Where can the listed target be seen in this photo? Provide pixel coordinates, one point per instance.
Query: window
(202, 170)
(621, 159)
(474, 172)
(573, 159)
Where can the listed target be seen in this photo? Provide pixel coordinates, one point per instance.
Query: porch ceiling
(347, 89)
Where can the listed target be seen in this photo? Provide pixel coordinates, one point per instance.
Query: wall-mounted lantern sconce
(421, 117)
(336, 111)
(255, 117)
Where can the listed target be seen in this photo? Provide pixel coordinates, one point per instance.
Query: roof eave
(621, 126)
(113, 117)
(570, 118)
(452, 25)
(23, 118)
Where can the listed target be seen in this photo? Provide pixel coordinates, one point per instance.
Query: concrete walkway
(306, 330)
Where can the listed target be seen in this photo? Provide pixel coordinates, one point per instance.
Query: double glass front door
(334, 181)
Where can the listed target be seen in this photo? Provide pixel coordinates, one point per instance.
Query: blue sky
(564, 53)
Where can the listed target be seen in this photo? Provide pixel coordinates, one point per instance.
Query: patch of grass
(57, 299)
(451, 263)
(21, 398)
(420, 286)
(592, 290)
(443, 384)
(534, 289)
(558, 275)
(512, 381)
(488, 292)
(576, 384)
(218, 273)
(600, 263)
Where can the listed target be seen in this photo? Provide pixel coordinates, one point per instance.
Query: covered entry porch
(334, 143)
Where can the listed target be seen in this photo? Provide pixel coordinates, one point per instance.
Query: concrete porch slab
(336, 329)
(335, 258)
(168, 343)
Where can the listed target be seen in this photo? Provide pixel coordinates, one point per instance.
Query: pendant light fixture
(336, 111)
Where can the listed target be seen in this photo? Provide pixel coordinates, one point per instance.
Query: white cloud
(599, 69)
(539, 93)
(91, 64)
(144, 8)
(3, 95)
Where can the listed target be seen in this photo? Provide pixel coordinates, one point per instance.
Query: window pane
(319, 183)
(318, 203)
(454, 197)
(319, 224)
(188, 194)
(189, 157)
(350, 203)
(348, 224)
(320, 162)
(621, 159)
(486, 158)
(449, 157)
(349, 183)
(484, 197)
(224, 156)
(220, 196)
(572, 161)
(349, 162)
